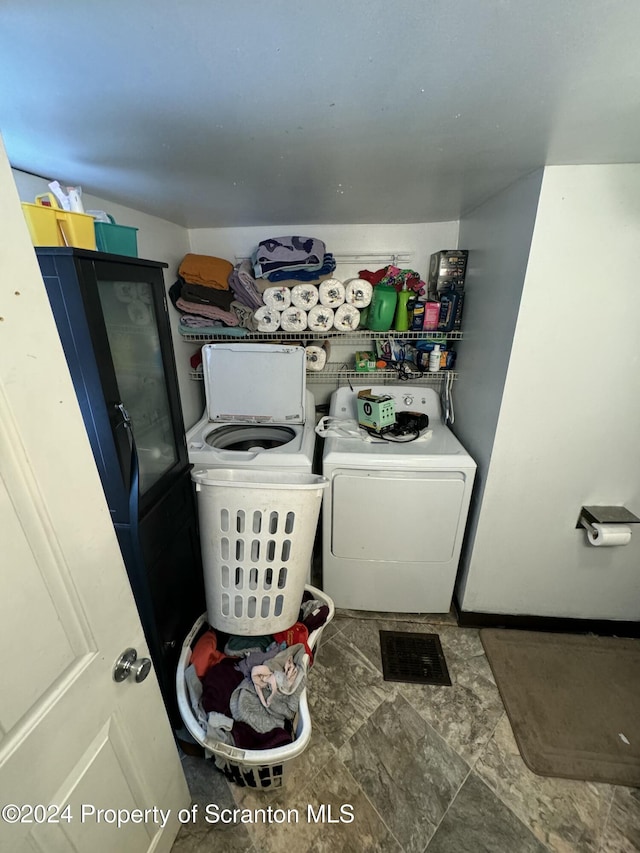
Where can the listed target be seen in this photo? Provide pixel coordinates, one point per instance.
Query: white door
(72, 740)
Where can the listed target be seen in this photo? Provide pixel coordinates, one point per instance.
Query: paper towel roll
(293, 319)
(603, 535)
(331, 293)
(320, 318)
(277, 298)
(316, 357)
(267, 319)
(304, 296)
(358, 292)
(347, 318)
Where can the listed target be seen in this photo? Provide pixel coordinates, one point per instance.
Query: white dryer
(394, 514)
(258, 412)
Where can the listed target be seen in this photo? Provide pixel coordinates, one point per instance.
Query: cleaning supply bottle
(434, 359)
(401, 320)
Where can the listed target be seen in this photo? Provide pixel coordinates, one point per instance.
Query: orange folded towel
(206, 270)
(205, 653)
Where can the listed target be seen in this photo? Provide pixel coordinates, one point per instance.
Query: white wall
(419, 240)
(567, 433)
(158, 240)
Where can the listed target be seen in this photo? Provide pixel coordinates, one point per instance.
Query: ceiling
(216, 113)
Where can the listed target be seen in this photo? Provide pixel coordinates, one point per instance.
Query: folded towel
(210, 328)
(304, 296)
(243, 285)
(307, 274)
(245, 316)
(279, 253)
(205, 270)
(207, 295)
(210, 311)
(331, 292)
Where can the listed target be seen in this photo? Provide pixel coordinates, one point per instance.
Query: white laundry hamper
(255, 768)
(257, 529)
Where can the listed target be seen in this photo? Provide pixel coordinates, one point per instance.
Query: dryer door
(396, 516)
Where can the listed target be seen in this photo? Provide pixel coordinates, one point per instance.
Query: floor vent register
(413, 658)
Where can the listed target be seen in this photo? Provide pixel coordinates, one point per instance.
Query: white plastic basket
(256, 768)
(257, 530)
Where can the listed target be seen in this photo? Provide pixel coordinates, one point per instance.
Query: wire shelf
(337, 370)
(335, 336)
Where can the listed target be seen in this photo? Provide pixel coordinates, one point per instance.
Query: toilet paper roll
(331, 293)
(320, 318)
(604, 535)
(304, 296)
(316, 357)
(267, 319)
(347, 318)
(358, 292)
(293, 319)
(277, 298)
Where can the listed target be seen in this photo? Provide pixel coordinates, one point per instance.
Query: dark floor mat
(414, 658)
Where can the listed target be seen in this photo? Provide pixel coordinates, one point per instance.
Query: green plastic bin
(116, 239)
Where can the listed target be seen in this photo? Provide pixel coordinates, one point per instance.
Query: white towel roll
(316, 357)
(347, 318)
(293, 319)
(358, 292)
(304, 296)
(277, 298)
(331, 293)
(267, 319)
(320, 318)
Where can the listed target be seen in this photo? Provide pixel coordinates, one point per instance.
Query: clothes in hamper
(206, 653)
(247, 738)
(218, 686)
(246, 706)
(206, 270)
(241, 645)
(313, 614)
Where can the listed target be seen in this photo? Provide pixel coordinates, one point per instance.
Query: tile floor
(422, 767)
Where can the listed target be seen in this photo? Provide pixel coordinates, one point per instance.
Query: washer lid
(254, 383)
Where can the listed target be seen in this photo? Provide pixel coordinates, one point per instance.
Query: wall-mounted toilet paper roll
(604, 535)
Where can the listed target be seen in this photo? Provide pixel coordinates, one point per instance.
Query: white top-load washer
(258, 412)
(394, 514)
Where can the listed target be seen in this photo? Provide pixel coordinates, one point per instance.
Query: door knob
(128, 665)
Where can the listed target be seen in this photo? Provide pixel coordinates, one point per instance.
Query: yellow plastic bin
(43, 224)
(77, 229)
(51, 226)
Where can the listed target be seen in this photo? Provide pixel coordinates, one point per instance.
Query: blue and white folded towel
(288, 253)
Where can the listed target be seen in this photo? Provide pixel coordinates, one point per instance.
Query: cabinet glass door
(134, 340)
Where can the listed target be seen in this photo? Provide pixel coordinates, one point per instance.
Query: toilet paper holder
(590, 515)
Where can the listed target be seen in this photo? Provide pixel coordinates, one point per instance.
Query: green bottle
(401, 320)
